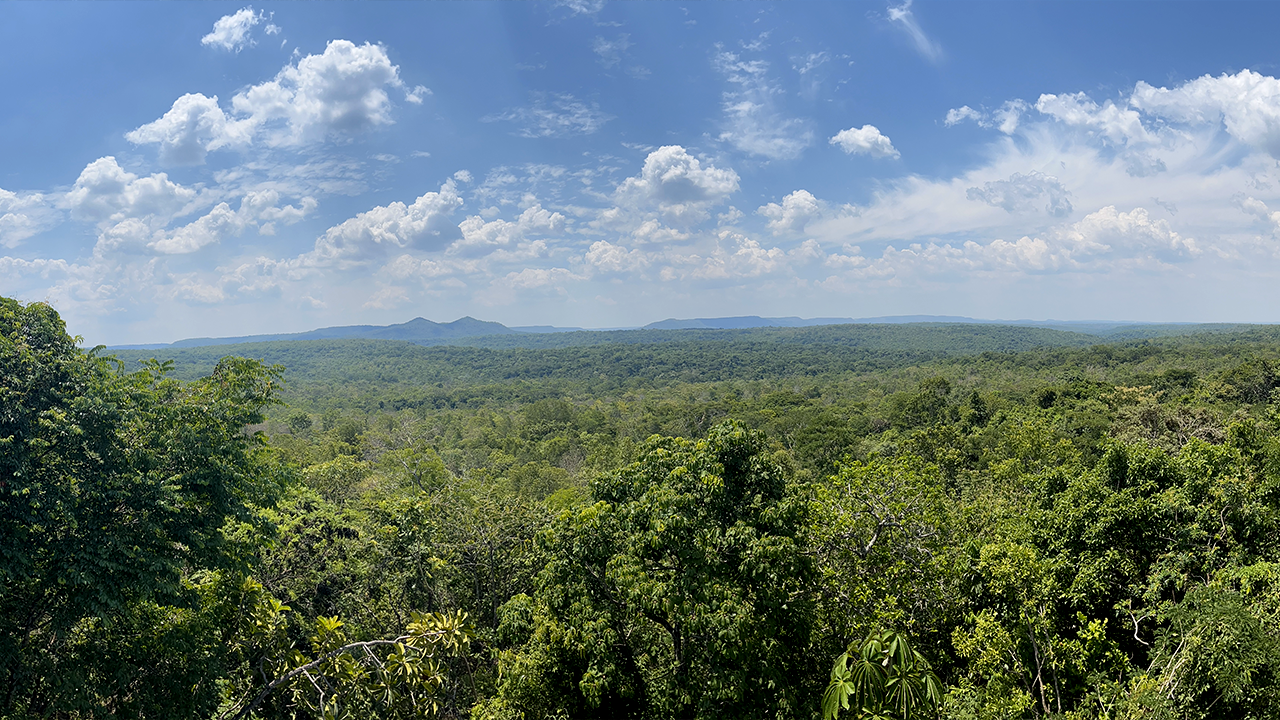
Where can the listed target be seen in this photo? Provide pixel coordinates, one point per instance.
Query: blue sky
(170, 170)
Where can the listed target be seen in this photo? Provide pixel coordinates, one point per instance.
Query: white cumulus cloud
(866, 140)
(795, 211)
(538, 278)
(603, 257)
(106, 192)
(1117, 124)
(407, 266)
(24, 215)
(1259, 209)
(1247, 104)
(194, 126)
(1130, 233)
(734, 258)
(652, 232)
(1005, 118)
(1023, 193)
(1104, 241)
(424, 224)
(232, 32)
(340, 92)
(480, 237)
(222, 223)
(678, 185)
(955, 116)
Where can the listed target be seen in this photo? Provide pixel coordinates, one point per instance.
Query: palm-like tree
(884, 679)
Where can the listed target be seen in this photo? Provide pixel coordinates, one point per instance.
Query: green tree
(333, 677)
(337, 480)
(300, 423)
(882, 678)
(116, 491)
(876, 530)
(681, 592)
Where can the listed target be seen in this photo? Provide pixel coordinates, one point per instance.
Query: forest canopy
(955, 522)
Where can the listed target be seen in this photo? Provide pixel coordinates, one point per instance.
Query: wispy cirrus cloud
(555, 115)
(610, 52)
(755, 121)
(23, 215)
(902, 17)
(580, 7)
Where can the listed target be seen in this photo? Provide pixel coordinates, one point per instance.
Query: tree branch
(365, 645)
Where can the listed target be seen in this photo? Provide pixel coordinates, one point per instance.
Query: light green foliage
(1215, 655)
(1012, 645)
(882, 678)
(329, 675)
(417, 467)
(877, 529)
(476, 545)
(336, 480)
(1097, 603)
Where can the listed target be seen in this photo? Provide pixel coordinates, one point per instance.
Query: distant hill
(754, 321)
(1103, 328)
(543, 329)
(418, 330)
(468, 331)
(745, 321)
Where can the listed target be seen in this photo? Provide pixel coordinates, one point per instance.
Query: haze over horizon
(468, 327)
(220, 169)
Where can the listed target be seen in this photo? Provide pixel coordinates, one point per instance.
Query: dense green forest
(911, 521)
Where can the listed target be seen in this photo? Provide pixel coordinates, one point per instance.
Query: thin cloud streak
(904, 18)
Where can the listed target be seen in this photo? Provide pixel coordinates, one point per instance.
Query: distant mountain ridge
(1092, 327)
(426, 332)
(742, 322)
(416, 330)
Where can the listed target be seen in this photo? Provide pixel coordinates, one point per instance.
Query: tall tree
(116, 492)
(681, 592)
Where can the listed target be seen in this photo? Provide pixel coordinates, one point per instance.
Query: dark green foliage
(300, 423)
(1216, 658)
(928, 405)
(115, 490)
(681, 592)
(628, 359)
(1251, 382)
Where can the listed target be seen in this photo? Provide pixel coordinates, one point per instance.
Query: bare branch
(365, 645)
